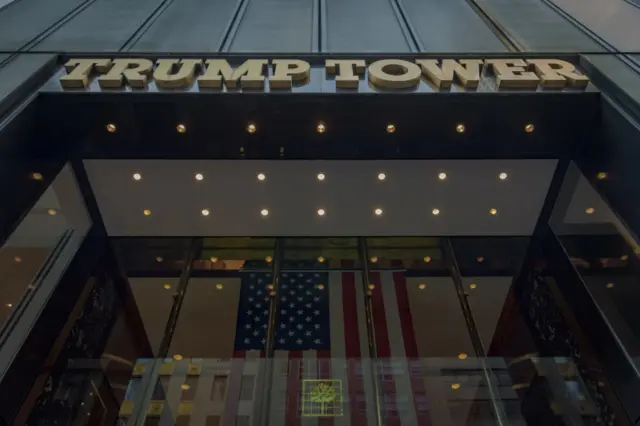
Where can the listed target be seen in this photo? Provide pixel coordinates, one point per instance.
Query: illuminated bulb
(264, 212)
(378, 211)
(9, 305)
(17, 259)
(480, 259)
(472, 286)
(270, 287)
(422, 286)
(442, 176)
(214, 259)
(111, 128)
(320, 286)
(372, 286)
(609, 285)
(601, 175)
(199, 176)
(261, 176)
(427, 259)
(321, 212)
(321, 128)
(219, 286)
(268, 259)
(251, 128)
(36, 176)
(529, 128)
(321, 176)
(391, 128)
(382, 176)
(167, 286)
(181, 128)
(502, 176)
(147, 212)
(205, 212)
(185, 386)
(455, 386)
(590, 210)
(624, 257)
(460, 128)
(435, 212)
(374, 259)
(320, 259)
(137, 176)
(493, 212)
(177, 357)
(52, 212)
(462, 355)
(159, 259)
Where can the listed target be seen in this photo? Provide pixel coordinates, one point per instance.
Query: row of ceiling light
(321, 127)
(378, 211)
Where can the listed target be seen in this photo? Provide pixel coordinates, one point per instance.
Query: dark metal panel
(363, 26)
(105, 25)
(19, 73)
(450, 26)
(276, 26)
(207, 22)
(537, 28)
(24, 20)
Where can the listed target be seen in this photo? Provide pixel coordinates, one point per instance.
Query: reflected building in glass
(319, 213)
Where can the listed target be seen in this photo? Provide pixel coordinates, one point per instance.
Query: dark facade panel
(362, 26)
(537, 28)
(106, 25)
(188, 26)
(14, 74)
(450, 26)
(24, 20)
(276, 26)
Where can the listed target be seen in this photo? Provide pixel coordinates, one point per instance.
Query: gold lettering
(131, 71)
(79, 71)
(286, 71)
(467, 71)
(556, 73)
(394, 74)
(344, 69)
(511, 73)
(167, 77)
(250, 74)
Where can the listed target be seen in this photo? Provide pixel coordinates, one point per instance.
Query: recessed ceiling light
(321, 128)
(472, 286)
(374, 259)
(480, 259)
(321, 212)
(52, 212)
(9, 305)
(391, 128)
(382, 176)
(219, 286)
(177, 357)
(159, 259)
(610, 285)
(462, 355)
(502, 176)
(261, 176)
(17, 259)
(455, 386)
(181, 128)
(321, 176)
(36, 176)
(590, 210)
(251, 128)
(111, 128)
(146, 212)
(264, 212)
(199, 176)
(442, 176)
(435, 212)
(268, 259)
(493, 212)
(601, 175)
(213, 259)
(624, 257)
(137, 176)
(205, 212)
(185, 386)
(320, 259)
(378, 211)
(422, 286)
(460, 128)
(167, 286)
(529, 128)
(427, 259)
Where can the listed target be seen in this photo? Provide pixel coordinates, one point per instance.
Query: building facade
(314, 212)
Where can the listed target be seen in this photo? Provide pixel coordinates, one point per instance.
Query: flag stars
(282, 341)
(299, 341)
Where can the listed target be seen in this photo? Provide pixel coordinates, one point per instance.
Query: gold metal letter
(556, 73)
(132, 71)
(511, 73)
(285, 71)
(467, 71)
(168, 79)
(79, 70)
(344, 68)
(250, 74)
(394, 74)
